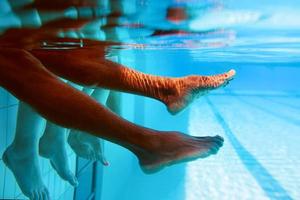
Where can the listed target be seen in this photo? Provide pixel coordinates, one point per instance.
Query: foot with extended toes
(87, 146)
(26, 169)
(54, 149)
(191, 87)
(177, 148)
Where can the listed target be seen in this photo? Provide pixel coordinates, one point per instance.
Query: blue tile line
(287, 119)
(266, 181)
(295, 107)
(286, 96)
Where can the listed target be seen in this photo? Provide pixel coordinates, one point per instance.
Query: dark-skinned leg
(87, 66)
(27, 79)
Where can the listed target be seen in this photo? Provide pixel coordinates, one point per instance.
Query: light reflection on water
(264, 32)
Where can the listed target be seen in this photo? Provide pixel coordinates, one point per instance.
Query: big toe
(214, 149)
(228, 75)
(45, 194)
(218, 140)
(70, 177)
(231, 73)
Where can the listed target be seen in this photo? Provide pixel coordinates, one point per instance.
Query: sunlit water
(257, 113)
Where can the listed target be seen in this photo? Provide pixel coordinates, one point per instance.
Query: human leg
(114, 102)
(88, 66)
(32, 83)
(85, 145)
(52, 146)
(21, 157)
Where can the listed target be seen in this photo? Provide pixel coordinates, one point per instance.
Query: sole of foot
(195, 148)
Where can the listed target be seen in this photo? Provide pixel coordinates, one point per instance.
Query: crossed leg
(32, 83)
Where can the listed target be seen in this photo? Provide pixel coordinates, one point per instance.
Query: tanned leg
(85, 145)
(87, 66)
(25, 77)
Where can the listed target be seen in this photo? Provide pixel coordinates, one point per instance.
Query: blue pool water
(258, 113)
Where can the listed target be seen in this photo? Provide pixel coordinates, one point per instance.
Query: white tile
(56, 186)
(3, 124)
(2, 177)
(51, 185)
(59, 186)
(17, 191)
(73, 163)
(21, 196)
(9, 185)
(11, 123)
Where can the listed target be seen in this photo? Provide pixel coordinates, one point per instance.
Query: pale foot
(26, 169)
(87, 146)
(55, 151)
(191, 87)
(178, 148)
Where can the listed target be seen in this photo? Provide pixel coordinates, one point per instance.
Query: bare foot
(26, 169)
(177, 148)
(87, 146)
(54, 149)
(191, 87)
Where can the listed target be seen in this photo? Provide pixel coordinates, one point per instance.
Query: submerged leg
(88, 67)
(29, 81)
(113, 102)
(52, 145)
(21, 157)
(85, 145)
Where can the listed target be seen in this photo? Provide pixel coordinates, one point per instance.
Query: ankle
(170, 91)
(161, 145)
(17, 152)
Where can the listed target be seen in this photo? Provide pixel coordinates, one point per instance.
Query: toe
(218, 141)
(40, 194)
(31, 195)
(226, 77)
(104, 161)
(35, 195)
(231, 73)
(71, 178)
(219, 138)
(45, 194)
(214, 150)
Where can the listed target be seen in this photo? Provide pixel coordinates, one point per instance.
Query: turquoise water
(257, 113)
